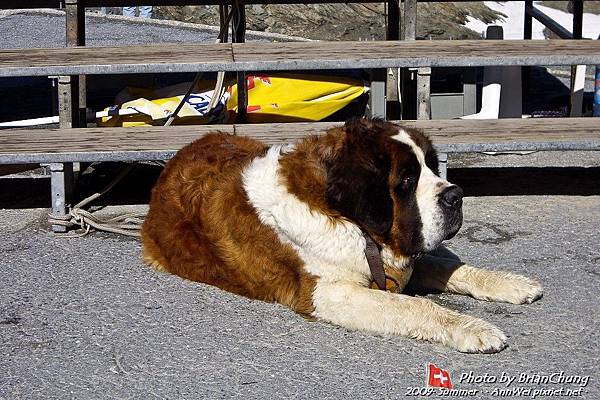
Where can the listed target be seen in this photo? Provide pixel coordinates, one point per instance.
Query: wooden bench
(25, 146)
(55, 147)
(298, 56)
(295, 56)
(80, 144)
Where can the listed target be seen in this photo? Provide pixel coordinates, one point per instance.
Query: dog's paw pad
(477, 336)
(522, 290)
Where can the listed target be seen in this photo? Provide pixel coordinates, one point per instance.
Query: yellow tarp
(294, 97)
(271, 98)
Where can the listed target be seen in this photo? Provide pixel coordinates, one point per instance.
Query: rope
(129, 224)
(218, 91)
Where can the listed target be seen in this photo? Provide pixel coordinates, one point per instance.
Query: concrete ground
(84, 318)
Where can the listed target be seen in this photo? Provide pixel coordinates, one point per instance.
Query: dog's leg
(359, 308)
(452, 275)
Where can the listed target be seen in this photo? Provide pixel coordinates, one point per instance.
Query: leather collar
(373, 254)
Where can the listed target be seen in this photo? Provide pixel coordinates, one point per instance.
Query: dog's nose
(452, 196)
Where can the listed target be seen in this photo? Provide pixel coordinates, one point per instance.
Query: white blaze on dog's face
(385, 180)
(439, 201)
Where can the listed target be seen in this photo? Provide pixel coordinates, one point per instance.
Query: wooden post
(71, 106)
(528, 21)
(469, 90)
(223, 12)
(75, 36)
(577, 18)
(443, 165)
(410, 19)
(393, 33)
(377, 103)
(423, 93)
(423, 75)
(527, 31)
(577, 71)
(238, 24)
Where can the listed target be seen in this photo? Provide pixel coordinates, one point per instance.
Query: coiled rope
(129, 224)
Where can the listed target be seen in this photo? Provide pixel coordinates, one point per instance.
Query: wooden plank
(98, 144)
(295, 55)
(116, 60)
(435, 53)
(155, 143)
(465, 135)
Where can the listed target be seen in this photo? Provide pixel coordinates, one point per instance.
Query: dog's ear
(357, 180)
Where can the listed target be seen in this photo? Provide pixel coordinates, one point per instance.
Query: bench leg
(377, 102)
(423, 93)
(61, 183)
(443, 165)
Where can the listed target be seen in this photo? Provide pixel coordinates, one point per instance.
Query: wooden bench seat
(294, 56)
(157, 143)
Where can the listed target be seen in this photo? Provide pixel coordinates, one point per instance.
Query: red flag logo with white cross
(437, 377)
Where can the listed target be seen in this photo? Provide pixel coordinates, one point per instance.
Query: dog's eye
(407, 182)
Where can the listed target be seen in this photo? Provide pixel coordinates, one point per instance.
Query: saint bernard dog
(313, 225)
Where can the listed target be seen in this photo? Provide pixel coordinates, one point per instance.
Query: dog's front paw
(473, 335)
(517, 289)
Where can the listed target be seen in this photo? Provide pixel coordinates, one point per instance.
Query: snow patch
(515, 17)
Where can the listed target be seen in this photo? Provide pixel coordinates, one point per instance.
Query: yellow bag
(271, 98)
(295, 97)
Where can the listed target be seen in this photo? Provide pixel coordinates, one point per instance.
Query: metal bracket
(377, 95)
(61, 184)
(423, 93)
(443, 165)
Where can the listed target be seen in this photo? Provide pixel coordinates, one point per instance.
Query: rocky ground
(343, 21)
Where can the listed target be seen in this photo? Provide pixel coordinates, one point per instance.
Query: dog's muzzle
(451, 204)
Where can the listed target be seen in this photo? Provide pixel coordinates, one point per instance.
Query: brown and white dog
(292, 223)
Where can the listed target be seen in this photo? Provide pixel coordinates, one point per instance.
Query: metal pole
(393, 33)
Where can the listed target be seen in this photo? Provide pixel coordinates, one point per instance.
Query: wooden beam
(295, 56)
(156, 143)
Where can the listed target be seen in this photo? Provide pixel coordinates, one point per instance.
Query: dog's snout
(452, 196)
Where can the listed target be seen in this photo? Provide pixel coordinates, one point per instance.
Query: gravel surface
(21, 29)
(83, 318)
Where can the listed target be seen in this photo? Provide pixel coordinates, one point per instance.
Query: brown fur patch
(304, 172)
(200, 226)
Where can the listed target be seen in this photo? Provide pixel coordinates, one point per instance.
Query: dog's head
(385, 179)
